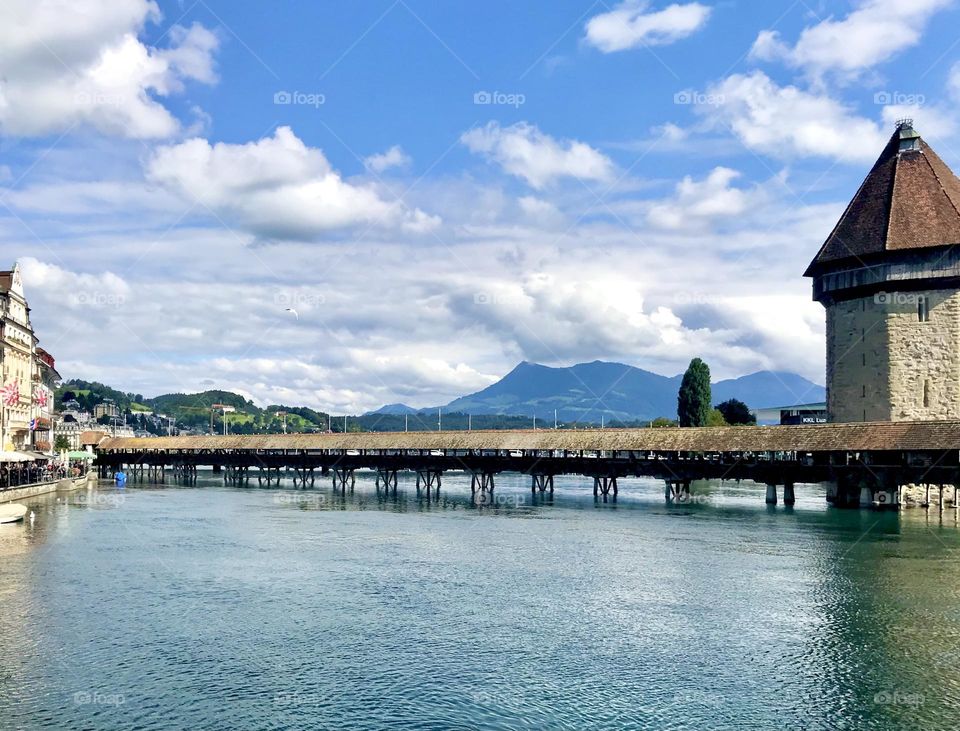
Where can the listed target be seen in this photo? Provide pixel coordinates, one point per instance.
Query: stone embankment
(42, 488)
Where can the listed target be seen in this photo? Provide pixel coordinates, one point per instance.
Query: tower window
(864, 356)
(923, 310)
(863, 391)
(926, 393)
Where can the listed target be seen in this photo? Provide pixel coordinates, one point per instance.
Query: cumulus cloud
(442, 323)
(934, 122)
(276, 187)
(874, 32)
(953, 84)
(68, 64)
(632, 23)
(786, 121)
(697, 204)
(395, 157)
(524, 151)
(104, 291)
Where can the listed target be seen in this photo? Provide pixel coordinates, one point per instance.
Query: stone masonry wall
(857, 363)
(925, 356)
(884, 364)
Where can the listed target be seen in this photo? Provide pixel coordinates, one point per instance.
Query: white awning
(15, 457)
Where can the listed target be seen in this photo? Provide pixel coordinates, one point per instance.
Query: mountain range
(614, 391)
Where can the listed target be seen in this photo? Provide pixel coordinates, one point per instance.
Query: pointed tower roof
(910, 200)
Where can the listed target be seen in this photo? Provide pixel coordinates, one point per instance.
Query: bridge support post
(789, 496)
(771, 494)
(429, 479)
(866, 497)
(678, 490)
(604, 486)
(481, 481)
(542, 483)
(926, 496)
(341, 477)
(387, 479)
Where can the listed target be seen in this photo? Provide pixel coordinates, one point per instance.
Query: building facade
(889, 279)
(28, 374)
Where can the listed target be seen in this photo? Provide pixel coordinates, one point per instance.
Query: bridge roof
(876, 436)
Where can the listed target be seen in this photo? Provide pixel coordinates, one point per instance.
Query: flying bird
(295, 313)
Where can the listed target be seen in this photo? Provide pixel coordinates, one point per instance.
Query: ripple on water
(248, 608)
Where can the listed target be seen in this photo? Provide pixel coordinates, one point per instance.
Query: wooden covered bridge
(864, 464)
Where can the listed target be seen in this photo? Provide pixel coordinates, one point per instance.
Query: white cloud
(933, 122)
(276, 187)
(953, 84)
(629, 25)
(524, 151)
(444, 320)
(105, 291)
(873, 33)
(537, 207)
(698, 203)
(67, 64)
(785, 121)
(395, 157)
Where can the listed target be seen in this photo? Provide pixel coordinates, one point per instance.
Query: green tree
(662, 422)
(736, 412)
(61, 444)
(693, 401)
(715, 418)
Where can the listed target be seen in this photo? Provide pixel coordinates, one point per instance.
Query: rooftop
(910, 200)
(879, 436)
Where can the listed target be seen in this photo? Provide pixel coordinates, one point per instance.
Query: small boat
(12, 512)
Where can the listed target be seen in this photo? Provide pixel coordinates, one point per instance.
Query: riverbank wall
(42, 488)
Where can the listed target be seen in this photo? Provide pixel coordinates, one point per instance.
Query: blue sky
(440, 190)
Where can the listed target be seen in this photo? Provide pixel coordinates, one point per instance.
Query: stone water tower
(889, 278)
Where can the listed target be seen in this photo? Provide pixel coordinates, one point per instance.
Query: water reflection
(255, 607)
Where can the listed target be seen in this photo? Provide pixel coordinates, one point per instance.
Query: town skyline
(171, 236)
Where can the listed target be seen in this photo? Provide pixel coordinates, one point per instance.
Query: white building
(27, 374)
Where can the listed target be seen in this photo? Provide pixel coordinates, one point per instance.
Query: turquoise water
(212, 607)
